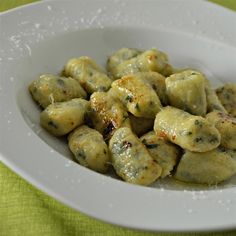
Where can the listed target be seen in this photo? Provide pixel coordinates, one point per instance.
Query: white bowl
(41, 37)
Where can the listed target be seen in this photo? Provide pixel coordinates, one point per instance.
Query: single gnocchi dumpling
(50, 88)
(107, 113)
(140, 125)
(91, 77)
(186, 90)
(213, 102)
(227, 96)
(165, 153)
(190, 132)
(89, 148)
(150, 60)
(131, 160)
(210, 167)
(226, 126)
(120, 56)
(137, 95)
(158, 83)
(62, 117)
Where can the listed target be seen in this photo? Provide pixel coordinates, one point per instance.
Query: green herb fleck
(52, 124)
(60, 82)
(137, 107)
(129, 98)
(80, 154)
(198, 123)
(199, 140)
(213, 139)
(102, 89)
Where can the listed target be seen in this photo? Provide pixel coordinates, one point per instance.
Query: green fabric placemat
(25, 210)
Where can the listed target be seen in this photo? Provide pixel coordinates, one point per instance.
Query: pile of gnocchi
(141, 117)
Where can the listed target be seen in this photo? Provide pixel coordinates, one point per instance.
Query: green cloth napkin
(25, 210)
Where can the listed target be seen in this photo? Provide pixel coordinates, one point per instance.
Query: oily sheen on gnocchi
(140, 118)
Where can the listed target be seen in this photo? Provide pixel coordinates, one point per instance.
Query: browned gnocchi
(131, 160)
(190, 132)
(137, 95)
(141, 118)
(107, 113)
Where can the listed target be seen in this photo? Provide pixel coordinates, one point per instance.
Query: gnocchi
(141, 118)
(89, 148)
(62, 117)
(186, 91)
(131, 160)
(165, 153)
(213, 102)
(226, 125)
(50, 88)
(157, 82)
(107, 113)
(119, 57)
(137, 95)
(91, 77)
(150, 60)
(210, 167)
(190, 132)
(227, 96)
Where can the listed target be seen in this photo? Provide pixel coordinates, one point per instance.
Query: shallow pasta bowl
(41, 37)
